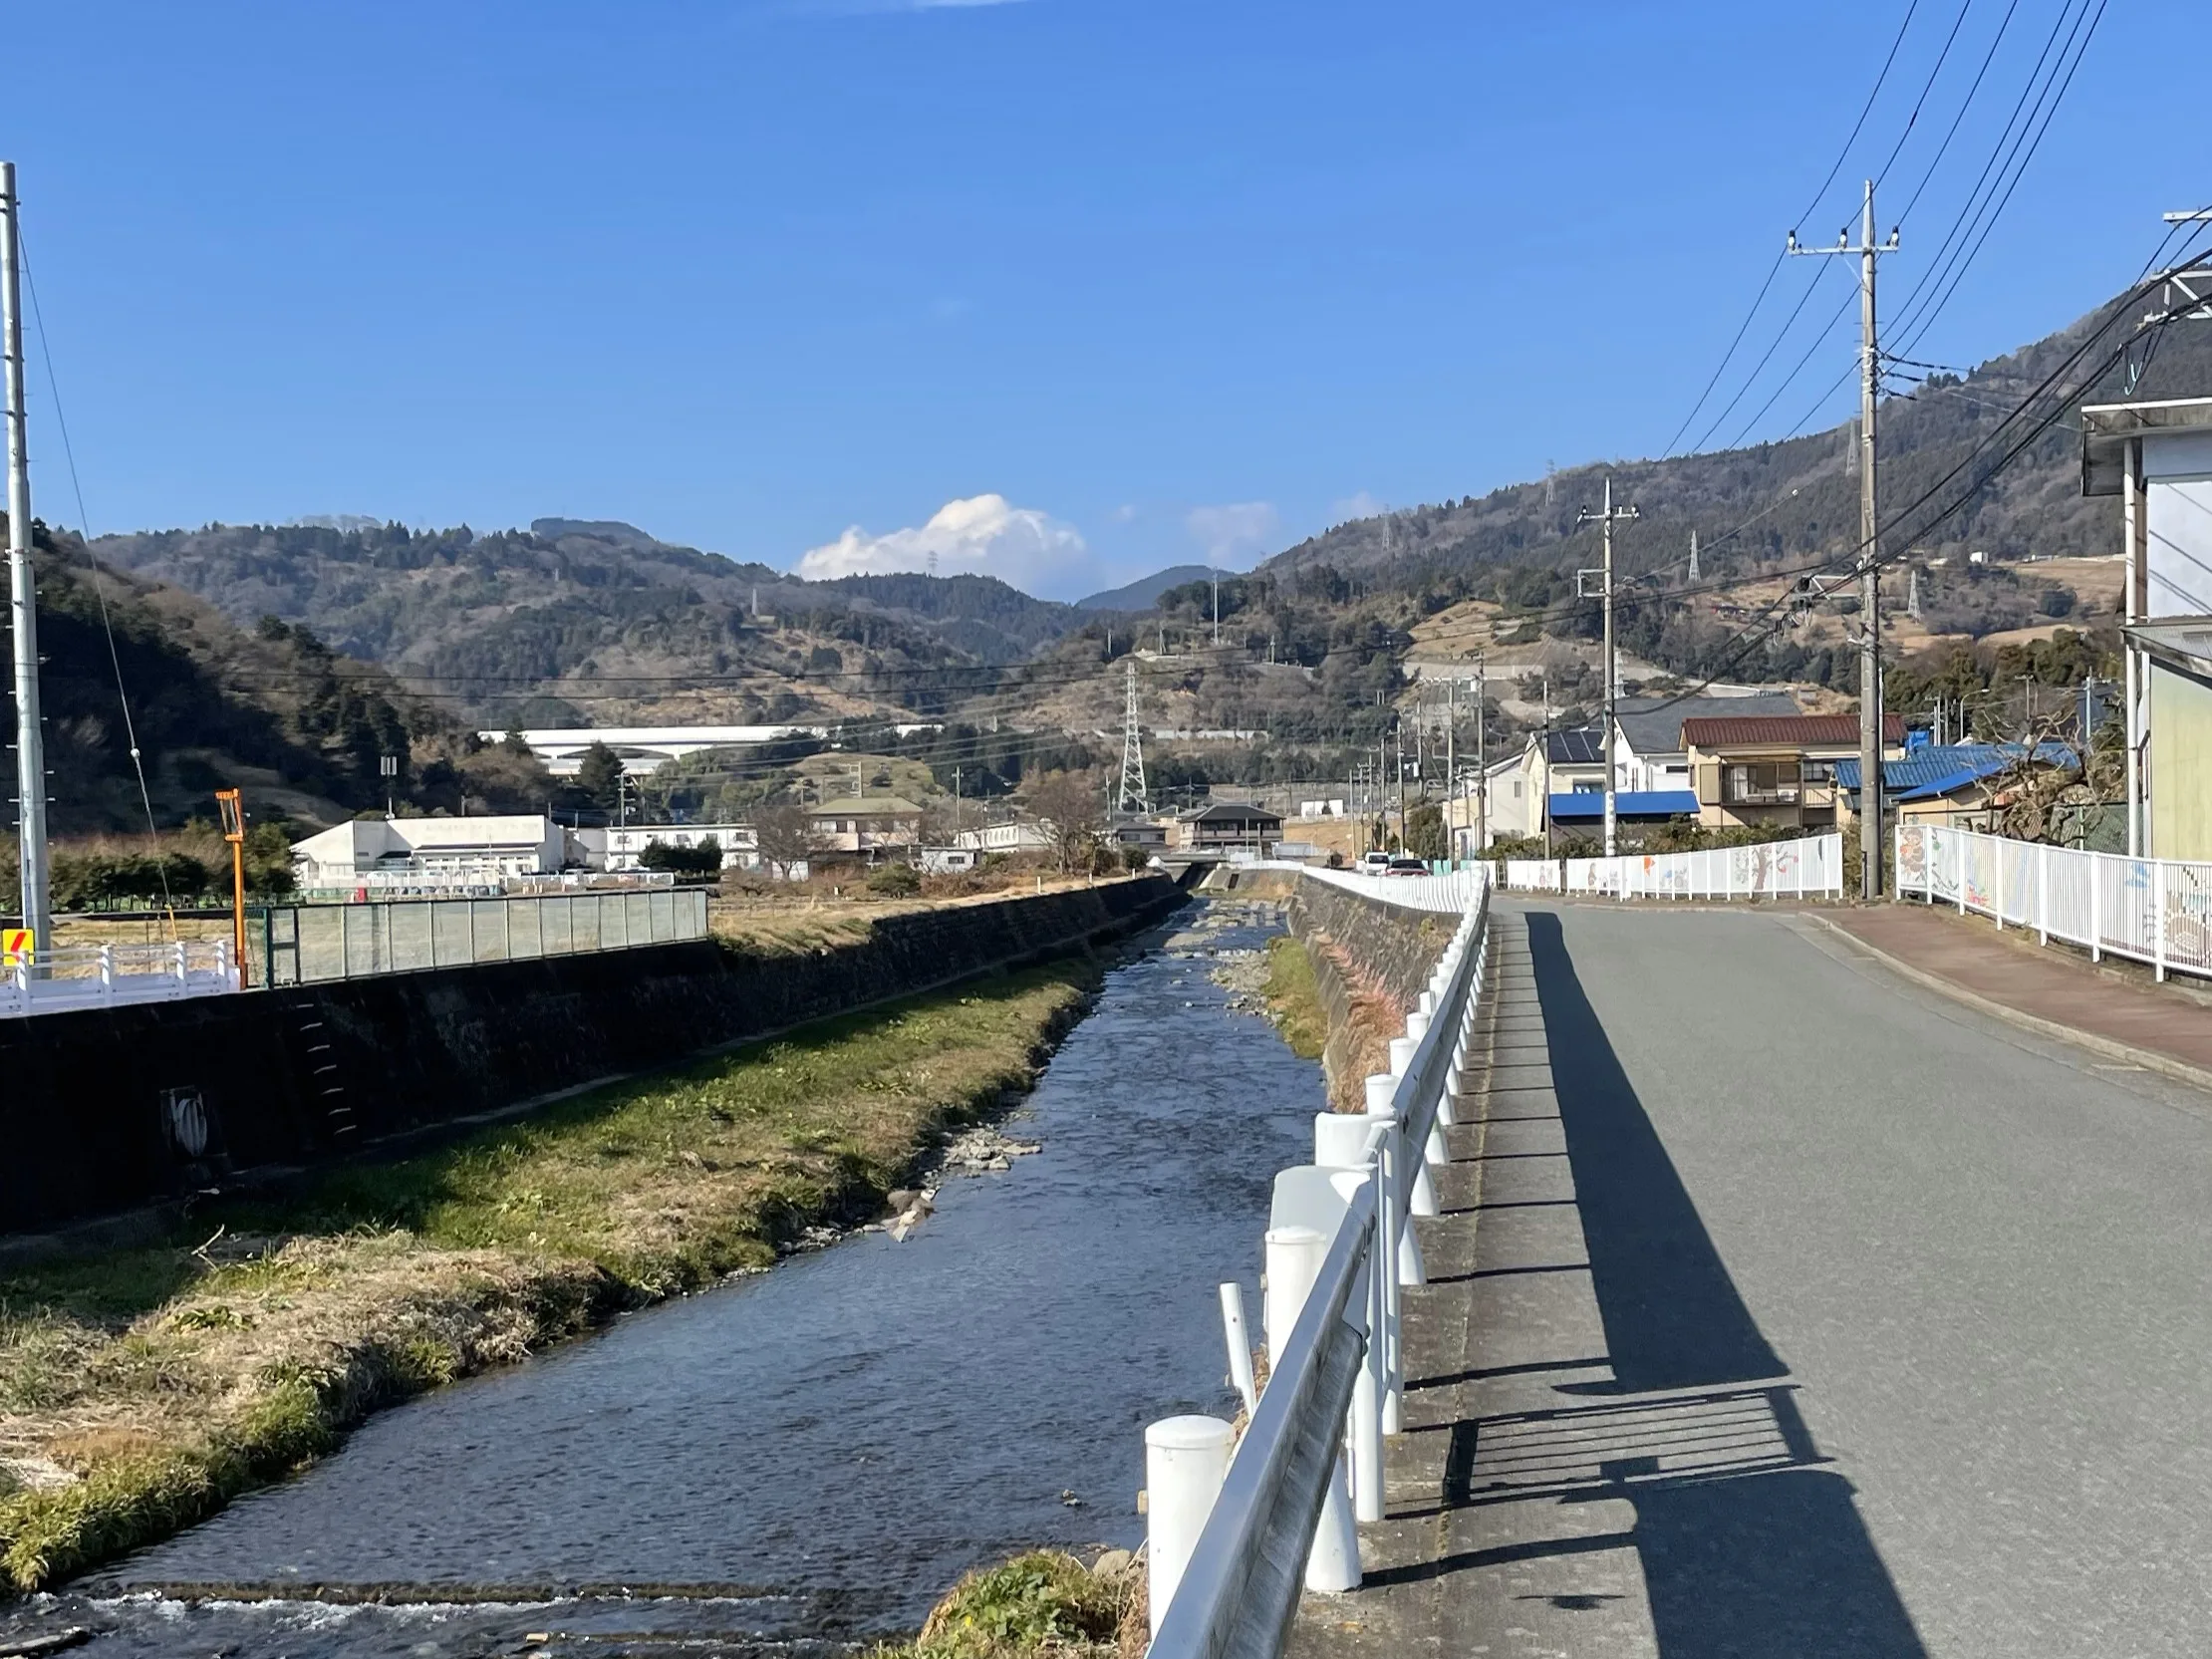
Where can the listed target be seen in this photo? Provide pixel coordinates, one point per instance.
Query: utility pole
(1450, 768)
(1133, 796)
(1606, 518)
(30, 742)
(1544, 740)
(1217, 606)
(1870, 598)
(1482, 762)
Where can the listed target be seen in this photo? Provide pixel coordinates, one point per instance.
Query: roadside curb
(2150, 1059)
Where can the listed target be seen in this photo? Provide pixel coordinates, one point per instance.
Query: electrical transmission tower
(1133, 796)
(1693, 555)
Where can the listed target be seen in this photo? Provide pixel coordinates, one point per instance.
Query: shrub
(895, 881)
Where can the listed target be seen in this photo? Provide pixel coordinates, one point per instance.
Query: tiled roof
(1784, 731)
(1937, 771)
(1230, 812)
(1653, 725)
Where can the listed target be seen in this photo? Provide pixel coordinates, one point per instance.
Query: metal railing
(1284, 1508)
(102, 975)
(1806, 867)
(303, 943)
(2154, 909)
(1451, 894)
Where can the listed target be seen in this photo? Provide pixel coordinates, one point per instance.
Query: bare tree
(1071, 808)
(785, 836)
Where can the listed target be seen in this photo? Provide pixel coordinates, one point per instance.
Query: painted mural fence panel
(2153, 910)
(1810, 866)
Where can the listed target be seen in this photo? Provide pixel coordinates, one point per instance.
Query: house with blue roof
(1955, 785)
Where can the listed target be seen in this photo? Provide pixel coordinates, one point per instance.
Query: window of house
(1759, 782)
(1817, 771)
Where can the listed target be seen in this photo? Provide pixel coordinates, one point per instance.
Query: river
(804, 1459)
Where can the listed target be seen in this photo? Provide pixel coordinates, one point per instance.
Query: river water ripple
(809, 1457)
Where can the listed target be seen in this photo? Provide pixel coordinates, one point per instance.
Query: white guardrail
(2155, 910)
(1234, 1525)
(100, 976)
(1809, 867)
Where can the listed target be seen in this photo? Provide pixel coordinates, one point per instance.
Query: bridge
(1772, 1304)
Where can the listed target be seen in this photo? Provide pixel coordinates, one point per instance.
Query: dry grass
(140, 1390)
(1041, 1602)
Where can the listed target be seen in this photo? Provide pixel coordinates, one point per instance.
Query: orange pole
(234, 831)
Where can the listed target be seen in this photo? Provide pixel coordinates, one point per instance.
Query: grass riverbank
(1294, 998)
(140, 1390)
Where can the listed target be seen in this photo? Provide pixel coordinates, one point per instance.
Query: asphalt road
(1976, 1262)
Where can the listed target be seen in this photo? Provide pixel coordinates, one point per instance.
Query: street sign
(15, 945)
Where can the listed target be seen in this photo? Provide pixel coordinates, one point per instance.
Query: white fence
(1810, 866)
(98, 977)
(2155, 910)
(308, 943)
(1453, 893)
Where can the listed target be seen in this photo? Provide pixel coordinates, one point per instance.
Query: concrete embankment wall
(106, 1109)
(1365, 954)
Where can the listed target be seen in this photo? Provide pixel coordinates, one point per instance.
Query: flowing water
(804, 1459)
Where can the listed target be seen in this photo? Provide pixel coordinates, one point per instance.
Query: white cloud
(984, 535)
(1359, 504)
(1233, 532)
(1126, 514)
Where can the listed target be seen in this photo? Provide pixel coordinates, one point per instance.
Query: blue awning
(1588, 806)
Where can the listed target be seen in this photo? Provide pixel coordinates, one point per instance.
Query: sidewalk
(2044, 987)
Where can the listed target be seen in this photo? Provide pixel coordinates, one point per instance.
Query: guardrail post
(2042, 893)
(2097, 907)
(1186, 1461)
(1373, 1386)
(182, 969)
(108, 968)
(1997, 887)
(1240, 1346)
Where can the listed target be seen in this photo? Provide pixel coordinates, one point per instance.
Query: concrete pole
(2131, 516)
(30, 752)
(1870, 599)
(1482, 762)
(1186, 1462)
(1612, 813)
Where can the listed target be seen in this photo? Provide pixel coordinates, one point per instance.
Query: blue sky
(1089, 286)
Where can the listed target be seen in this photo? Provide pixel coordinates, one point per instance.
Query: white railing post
(2158, 916)
(2042, 893)
(183, 972)
(1997, 886)
(107, 970)
(1186, 1462)
(2097, 907)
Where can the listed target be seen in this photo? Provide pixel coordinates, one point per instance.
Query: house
(1758, 769)
(1224, 824)
(1649, 729)
(1148, 833)
(865, 823)
(1954, 785)
(945, 861)
(2156, 456)
(617, 847)
(1505, 805)
(431, 853)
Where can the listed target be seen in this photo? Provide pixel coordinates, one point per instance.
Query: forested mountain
(211, 706)
(1797, 498)
(1145, 592)
(574, 618)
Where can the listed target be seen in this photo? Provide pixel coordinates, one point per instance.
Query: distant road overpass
(644, 748)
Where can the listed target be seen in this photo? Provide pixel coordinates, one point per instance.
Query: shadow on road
(1762, 1551)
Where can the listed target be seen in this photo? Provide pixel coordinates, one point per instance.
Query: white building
(431, 852)
(617, 847)
(1019, 836)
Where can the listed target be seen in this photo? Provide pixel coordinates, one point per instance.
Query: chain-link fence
(305, 943)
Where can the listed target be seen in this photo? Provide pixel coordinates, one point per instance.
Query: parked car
(1375, 863)
(1407, 864)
